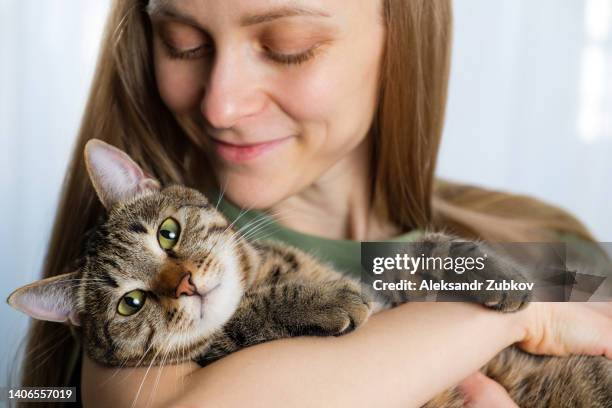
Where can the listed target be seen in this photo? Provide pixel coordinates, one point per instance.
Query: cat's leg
(544, 382)
(289, 310)
(496, 268)
(541, 381)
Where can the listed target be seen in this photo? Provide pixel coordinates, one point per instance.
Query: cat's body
(167, 278)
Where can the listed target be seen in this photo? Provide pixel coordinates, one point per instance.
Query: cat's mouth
(204, 294)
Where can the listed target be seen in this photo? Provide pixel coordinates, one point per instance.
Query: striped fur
(215, 292)
(269, 291)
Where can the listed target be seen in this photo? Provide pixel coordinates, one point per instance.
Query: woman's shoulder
(497, 216)
(485, 209)
(497, 201)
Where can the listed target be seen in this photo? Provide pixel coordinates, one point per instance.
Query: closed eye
(192, 53)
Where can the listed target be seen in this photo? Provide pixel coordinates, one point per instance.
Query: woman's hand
(554, 329)
(482, 392)
(562, 329)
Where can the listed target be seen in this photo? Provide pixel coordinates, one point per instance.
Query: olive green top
(344, 255)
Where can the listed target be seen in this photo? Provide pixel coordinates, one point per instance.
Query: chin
(263, 185)
(259, 194)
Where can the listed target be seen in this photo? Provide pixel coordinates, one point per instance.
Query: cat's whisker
(223, 189)
(262, 221)
(240, 215)
(221, 238)
(183, 351)
(159, 372)
(118, 370)
(255, 224)
(122, 365)
(271, 218)
(264, 236)
(231, 242)
(42, 345)
(242, 212)
(48, 351)
(178, 353)
(250, 230)
(251, 234)
(147, 373)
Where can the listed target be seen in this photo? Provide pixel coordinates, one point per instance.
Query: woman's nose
(232, 92)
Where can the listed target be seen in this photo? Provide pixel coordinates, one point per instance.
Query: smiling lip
(238, 153)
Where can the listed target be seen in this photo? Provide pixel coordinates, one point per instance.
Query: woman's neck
(338, 205)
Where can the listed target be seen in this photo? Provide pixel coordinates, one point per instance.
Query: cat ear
(48, 299)
(114, 175)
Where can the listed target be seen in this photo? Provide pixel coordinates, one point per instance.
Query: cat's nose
(185, 286)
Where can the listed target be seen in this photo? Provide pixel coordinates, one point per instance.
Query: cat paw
(499, 269)
(506, 301)
(338, 310)
(502, 299)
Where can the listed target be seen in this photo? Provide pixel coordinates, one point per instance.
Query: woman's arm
(401, 357)
(103, 387)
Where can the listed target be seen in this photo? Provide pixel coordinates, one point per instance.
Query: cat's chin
(217, 305)
(205, 299)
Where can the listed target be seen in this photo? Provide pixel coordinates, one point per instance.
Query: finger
(482, 392)
(608, 341)
(604, 343)
(604, 308)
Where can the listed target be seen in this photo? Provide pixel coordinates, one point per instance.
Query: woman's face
(278, 91)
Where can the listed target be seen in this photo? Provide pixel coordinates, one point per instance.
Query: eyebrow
(164, 8)
(281, 12)
(161, 8)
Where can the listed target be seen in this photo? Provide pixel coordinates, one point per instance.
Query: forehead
(253, 12)
(237, 7)
(129, 235)
(145, 208)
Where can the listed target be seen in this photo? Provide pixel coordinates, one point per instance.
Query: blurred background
(530, 111)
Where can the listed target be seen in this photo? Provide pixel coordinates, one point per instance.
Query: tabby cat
(166, 279)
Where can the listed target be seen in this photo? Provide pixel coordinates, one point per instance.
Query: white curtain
(48, 51)
(530, 105)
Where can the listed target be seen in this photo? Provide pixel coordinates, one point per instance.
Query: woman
(327, 115)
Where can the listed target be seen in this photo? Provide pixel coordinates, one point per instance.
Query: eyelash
(291, 59)
(283, 59)
(187, 54)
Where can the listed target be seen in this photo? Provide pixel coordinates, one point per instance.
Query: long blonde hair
(124, 109)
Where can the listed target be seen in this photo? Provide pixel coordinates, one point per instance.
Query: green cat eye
(168, 234)
(131, 302)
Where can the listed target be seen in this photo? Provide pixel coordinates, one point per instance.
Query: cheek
(180, 84)
(308, 95)
(337, 95)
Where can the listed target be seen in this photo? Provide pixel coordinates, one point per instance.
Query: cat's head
(163, 272)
